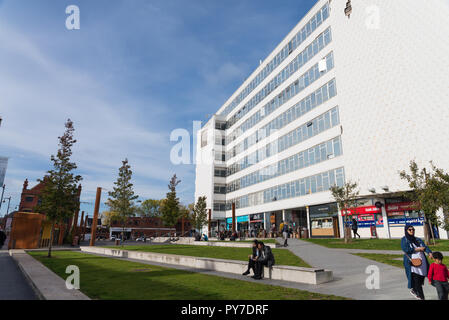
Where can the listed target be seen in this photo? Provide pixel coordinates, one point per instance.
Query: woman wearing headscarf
(414, 248)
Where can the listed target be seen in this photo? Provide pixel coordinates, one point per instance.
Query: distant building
(3, 166)
(38, 228)
(30, 198)
(136, 227)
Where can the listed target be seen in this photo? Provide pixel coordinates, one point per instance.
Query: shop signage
(256, 217)
(401, 222)
(238, 219)
(323, 210)
(404, 206)
(361, 210)
(242, 219)
(368, 220)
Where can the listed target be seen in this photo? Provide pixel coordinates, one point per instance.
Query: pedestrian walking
(252, 259)
(2, 238)
(438, 276)
(415, 262)
(266, 258)
(285, 234)
(355, 227)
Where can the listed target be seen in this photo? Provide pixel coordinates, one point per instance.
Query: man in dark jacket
(265, 258)
(2, 238)
(355, 227)
(285, 234)
(252, 259)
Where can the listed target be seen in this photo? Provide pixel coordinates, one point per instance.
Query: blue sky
(135, 71)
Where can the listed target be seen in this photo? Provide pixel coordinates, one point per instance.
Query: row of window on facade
(307, 104)
(304, 132)
(305, 56)
(315, 99)
(297, 40)
(317, 154)
(298, 188)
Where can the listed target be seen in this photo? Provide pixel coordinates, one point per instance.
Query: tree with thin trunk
(121, 199)
(429, 192)
(150, 208)
(347, 199)
(199, 214)
(60, 195)
(441, 179)
(170, 208)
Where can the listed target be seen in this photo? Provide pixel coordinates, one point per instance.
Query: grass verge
(374, 244)
(282, 256)
(113, 279)
(391, 259)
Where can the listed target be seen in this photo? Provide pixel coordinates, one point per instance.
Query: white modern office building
(354, 92)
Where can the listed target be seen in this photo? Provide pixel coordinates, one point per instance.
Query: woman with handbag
(415, 261)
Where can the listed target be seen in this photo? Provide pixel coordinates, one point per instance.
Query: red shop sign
(403, 206)
(361, 210)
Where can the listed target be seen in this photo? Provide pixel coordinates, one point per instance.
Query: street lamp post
(1, 200)
(9, 201)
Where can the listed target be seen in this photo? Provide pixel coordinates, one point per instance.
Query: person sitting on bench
(266, 258)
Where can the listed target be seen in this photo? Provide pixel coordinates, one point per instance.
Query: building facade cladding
(381, 55)
(308, 69)
(296, 64)
(295, 42)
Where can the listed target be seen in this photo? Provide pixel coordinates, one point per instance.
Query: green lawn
(390, 259)
(114, 279)
(374, 244)
(281, 256)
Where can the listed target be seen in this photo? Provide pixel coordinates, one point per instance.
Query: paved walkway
(445, 253)
(13, 285)
(350, 273)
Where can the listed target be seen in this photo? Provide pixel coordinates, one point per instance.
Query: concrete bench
(285, 273)
(210, 243)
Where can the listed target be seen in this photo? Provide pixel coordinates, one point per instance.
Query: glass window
(313, 184)
(325, 13)
(334, 117)
(337, 147)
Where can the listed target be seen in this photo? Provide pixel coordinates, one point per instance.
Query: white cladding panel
(392, 66)
(392, 76)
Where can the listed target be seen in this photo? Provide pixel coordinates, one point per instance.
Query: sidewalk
(445, 253)
(13, 284)
(350, 273)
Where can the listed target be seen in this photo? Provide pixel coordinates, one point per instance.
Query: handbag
(416, 262)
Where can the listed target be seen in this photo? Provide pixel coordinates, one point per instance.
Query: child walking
(438, 276)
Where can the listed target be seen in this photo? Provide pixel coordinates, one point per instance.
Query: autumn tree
(347, 199)
(121, 199)
(170, 208)
(199, 214)
(60, 195)
(150, 208)
(429, 191)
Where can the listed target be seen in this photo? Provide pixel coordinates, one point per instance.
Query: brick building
(148, 226)
(31, 198)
